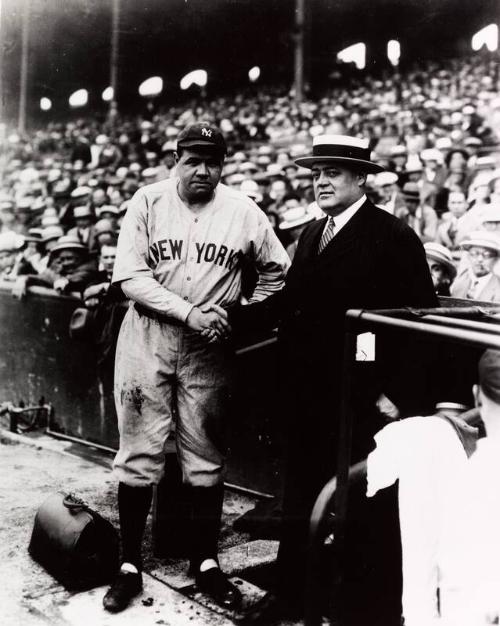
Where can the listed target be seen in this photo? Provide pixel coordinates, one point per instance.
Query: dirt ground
(29, 475)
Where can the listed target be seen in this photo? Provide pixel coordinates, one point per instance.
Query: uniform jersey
(179, 258)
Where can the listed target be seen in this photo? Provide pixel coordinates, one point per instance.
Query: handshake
(210, 322)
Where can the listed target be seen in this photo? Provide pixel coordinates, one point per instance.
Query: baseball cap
(202, 134)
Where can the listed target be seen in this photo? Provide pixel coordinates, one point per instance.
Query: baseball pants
(161, 365)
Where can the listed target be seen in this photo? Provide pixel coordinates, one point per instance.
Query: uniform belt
(159, 317)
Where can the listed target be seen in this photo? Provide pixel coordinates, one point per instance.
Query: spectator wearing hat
(105, 233)
(50, 236)
(420, 217)
(357, 256)
(479, 282)
(84, 230)
(490, 218)
(31, 258)
(293, 222)
(457, 223)
(390, 198)
(69, 270)
(433, 175)
(11, 244)
(441, 267)
(108, 212)
(7, 216)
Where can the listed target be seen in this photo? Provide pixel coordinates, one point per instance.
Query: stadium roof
(70, 40)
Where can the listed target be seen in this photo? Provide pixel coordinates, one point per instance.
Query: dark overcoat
(375, 261)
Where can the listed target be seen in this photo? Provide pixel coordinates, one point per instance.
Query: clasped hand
(210, 322)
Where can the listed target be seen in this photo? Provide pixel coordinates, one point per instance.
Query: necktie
(327, 235)
(472, 290)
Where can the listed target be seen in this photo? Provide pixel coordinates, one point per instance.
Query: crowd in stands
(64, 189)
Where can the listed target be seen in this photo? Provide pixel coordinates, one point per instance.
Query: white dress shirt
(342, 219)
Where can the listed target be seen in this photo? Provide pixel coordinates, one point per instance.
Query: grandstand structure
(52, 49)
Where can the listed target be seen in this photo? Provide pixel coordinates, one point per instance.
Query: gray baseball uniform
(170, 259)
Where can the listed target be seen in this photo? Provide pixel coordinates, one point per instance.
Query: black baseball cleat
(216, 584)
(126, 586)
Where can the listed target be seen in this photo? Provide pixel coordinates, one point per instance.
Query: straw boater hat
(440, 254)
(297, 216)
(482, 239)
(342, 149)
(67, 242)
(490, 214)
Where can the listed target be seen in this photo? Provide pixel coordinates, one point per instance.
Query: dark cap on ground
(202, 134)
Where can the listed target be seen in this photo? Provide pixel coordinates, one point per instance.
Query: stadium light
(108, 94)
(393, 51)
(254, 73)
(196, 77)
(79, 98)
(487, 36)
(151, 87)
(45, 104)
(354, 54)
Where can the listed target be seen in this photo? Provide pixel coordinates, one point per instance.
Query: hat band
(345, 152)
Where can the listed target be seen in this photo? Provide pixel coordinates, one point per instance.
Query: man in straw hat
(441, 266)
(69, 269)
(479, 282)
(358, 256)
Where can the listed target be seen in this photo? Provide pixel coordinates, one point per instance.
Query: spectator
(10, 246)
(69, 270)
(420, 217)
(84, 231)
(293, 222)
(479, 282)
(457, 224)
(441, 266)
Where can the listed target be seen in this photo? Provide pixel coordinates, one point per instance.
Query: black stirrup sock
(133, 505)
(206, 510)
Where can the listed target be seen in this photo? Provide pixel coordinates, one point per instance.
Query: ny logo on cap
(206, 131)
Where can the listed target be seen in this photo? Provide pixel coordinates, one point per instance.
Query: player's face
(199, 172)
(336, 187)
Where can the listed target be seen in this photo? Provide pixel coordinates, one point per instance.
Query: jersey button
(196, 220)
(185, 297)
(188, 278)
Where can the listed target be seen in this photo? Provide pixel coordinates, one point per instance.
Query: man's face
(336, 187)
(83, 222)
(482, 260)
(107, 257)
(438, 273)
(457, 204)
(386, 192)
(68, 261)
(7, 259)
(199, 172)
(278, 190)
(7, 217)
(411, 204)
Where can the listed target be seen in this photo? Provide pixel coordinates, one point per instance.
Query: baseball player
(179, 258)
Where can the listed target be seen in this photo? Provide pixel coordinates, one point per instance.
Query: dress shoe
(126, 586)
(215, 584)
(270, 609)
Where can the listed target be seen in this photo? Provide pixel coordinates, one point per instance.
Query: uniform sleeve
(132, 268)
(271, 260)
